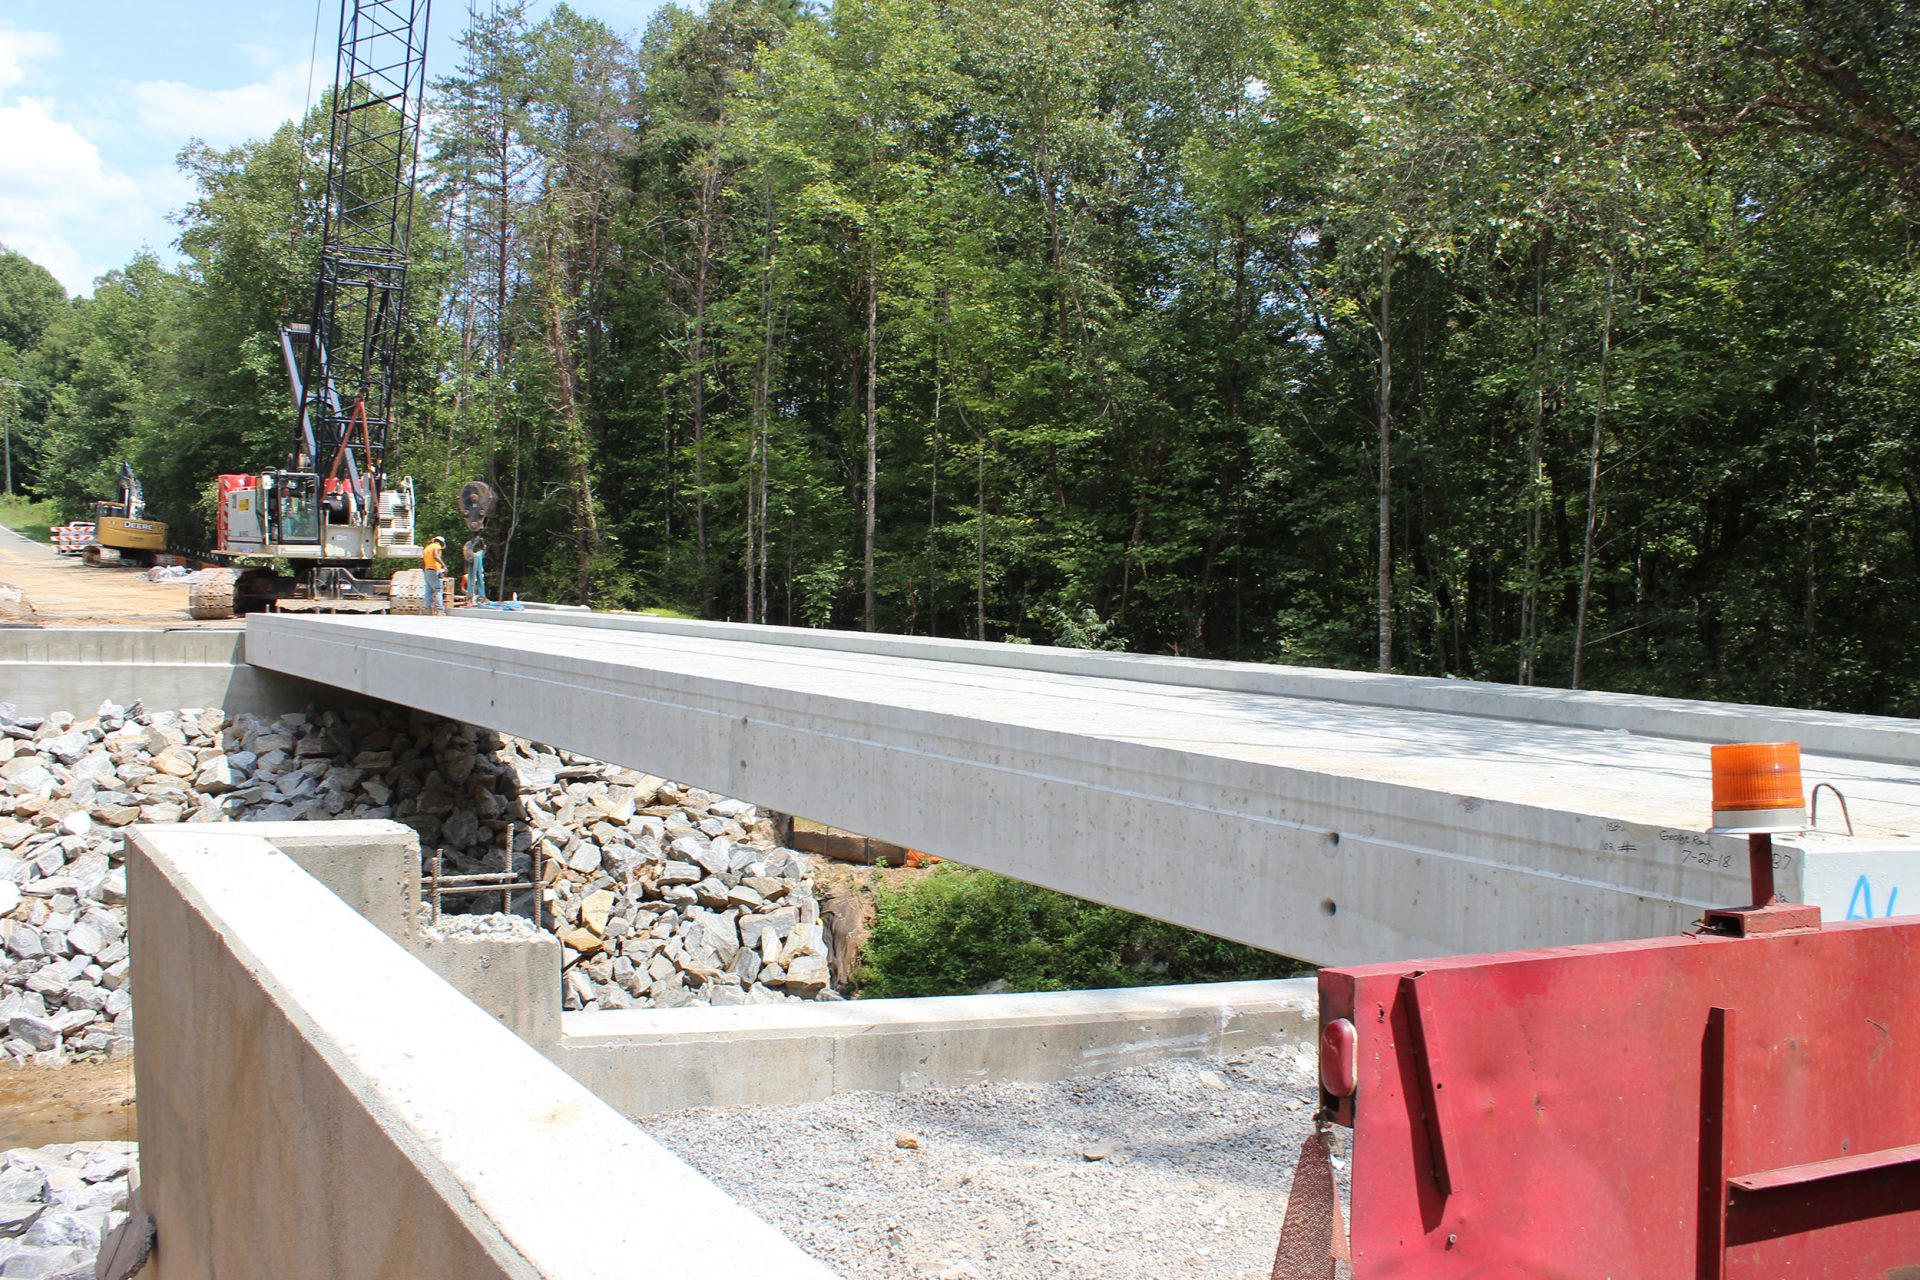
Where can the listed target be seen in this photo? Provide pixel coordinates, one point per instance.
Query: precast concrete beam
(1335, 829)
(1854, 737)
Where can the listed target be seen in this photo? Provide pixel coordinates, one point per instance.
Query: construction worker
(435, 564)
(476, 553)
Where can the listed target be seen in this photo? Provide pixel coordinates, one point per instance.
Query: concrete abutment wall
(75, 669)
(299, 1034)
(647, 1061)
(301, 1116)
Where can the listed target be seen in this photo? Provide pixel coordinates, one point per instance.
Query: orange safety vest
(434, 560)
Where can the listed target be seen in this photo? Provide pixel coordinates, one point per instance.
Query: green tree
(480, 165)
(960, 930)
(578, 123)
(30, 299)
(111, 369)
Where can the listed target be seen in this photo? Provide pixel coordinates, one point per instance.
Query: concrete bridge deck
(1333, 816)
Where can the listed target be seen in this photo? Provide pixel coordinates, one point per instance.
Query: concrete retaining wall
(315, 1103)
(514, 978)
(48, 669)
(371, 865)
(374, 867)
(645, 1061)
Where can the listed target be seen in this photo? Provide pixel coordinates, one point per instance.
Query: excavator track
(222, 593)
(408, 594)
(210, 593)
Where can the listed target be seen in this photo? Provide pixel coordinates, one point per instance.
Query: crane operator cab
(293, 507)
(324, 530)
(302, 516)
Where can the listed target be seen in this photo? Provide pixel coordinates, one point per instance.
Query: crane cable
(313, 56)
(300, 169)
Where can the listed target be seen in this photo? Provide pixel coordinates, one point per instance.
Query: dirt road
(63, 592)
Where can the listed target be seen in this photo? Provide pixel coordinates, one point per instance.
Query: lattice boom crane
(332, 510)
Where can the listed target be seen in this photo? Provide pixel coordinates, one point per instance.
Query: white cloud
(79, 210)
(170, 110)
(61, 200)
(263, 56)
(17, 48)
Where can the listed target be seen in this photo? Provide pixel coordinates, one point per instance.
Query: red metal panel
(1590, 1108)
(1806, 1197)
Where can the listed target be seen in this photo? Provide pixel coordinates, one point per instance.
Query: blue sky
(97, 97)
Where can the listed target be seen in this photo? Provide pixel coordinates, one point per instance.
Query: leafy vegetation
(34, 519)
(1542, 342)
(959, 930)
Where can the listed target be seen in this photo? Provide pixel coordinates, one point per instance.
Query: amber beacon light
(1757, 789)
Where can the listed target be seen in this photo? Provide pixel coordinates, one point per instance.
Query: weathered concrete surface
(315, 1103)
(47, 669)
(371, 864)
(1820, 732)
(645, 1061)
(514, 978)
(1326, 815)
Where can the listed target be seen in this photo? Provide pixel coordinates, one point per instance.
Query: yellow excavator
(122, 534)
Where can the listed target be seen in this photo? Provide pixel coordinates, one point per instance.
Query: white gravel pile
(1176, 1171)
(660, 894)
(57, 1203)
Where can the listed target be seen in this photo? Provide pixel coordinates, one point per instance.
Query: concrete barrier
(75, 669)
(372, 865)
(315, 1103)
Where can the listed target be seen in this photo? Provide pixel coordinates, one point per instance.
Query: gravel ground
(1176, 1170)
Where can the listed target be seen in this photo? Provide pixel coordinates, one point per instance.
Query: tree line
(1520, 340)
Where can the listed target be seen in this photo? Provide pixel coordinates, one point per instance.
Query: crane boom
(332, 510)
(348, 367)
